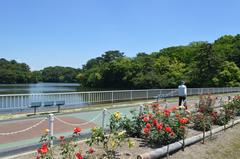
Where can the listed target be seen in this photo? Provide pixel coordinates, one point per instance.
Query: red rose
(159, 126)
(38, 157)
(183, 120)
(177, 115)
(148, 125)
(43, 149)
(145, 119)
(182, 127)
(91, 150)
(172, 134)
(79, 156)
(214, 114)
(150, 116)
(146, 130)
(155, 121)
(77, 130)
(168, 129)
(167, 112)
(61, 138)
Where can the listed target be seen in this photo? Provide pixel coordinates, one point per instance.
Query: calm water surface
(38, 88)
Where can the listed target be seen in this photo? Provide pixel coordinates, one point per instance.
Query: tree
(112, 55)
(14, 72)
(36, 76)
(59, 74)
(229, 75)
(206, 66)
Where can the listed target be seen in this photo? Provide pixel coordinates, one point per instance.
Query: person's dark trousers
(181, 99)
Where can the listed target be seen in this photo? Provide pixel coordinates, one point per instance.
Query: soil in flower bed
(123, 152)
(223, 145)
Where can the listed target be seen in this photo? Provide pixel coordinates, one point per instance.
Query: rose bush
(164, 126)
(236, 102)
(69, 147)
(109, 143)
(202, 122)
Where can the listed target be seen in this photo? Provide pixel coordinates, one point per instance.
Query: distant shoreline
(39, 83)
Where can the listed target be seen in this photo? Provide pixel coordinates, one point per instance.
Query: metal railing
(22, 101)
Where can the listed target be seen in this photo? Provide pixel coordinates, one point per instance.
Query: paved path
(61, 126)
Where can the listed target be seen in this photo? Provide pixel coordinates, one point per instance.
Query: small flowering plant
(155, 106)
(109, 142)
(132, 125)
(69, 147)
(115, 121)
(117, 135)
(202, 122)
(219, 118)
(206, 104)
(236, 103)
(45, 151)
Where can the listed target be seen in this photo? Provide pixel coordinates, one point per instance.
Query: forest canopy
(200, 64)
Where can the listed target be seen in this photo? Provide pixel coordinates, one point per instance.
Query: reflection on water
(38, 88)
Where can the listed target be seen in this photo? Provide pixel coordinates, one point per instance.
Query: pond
(38, 88)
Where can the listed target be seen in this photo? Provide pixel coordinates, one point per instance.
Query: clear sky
(70, 32)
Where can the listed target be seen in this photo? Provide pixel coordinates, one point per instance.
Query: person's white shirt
(182, 90)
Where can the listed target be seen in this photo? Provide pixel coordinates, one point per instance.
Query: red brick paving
(39, 130)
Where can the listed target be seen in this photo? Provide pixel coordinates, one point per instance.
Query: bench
(59, 104)
(35, 105)
(48, 103)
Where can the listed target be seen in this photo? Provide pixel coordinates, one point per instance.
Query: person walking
(182, 93)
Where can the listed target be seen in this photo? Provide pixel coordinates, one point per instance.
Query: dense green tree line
(200, 64)
(59, 74)
(14, 72)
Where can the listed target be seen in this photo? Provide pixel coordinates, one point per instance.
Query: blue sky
(70, 32)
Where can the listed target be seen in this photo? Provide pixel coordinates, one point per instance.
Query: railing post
(89, 97)
(131, 95)
(147, 94)
(112, 96)
(50, 127)
(21, 101)
(103, 118)
(165, 103)
(141, 109)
